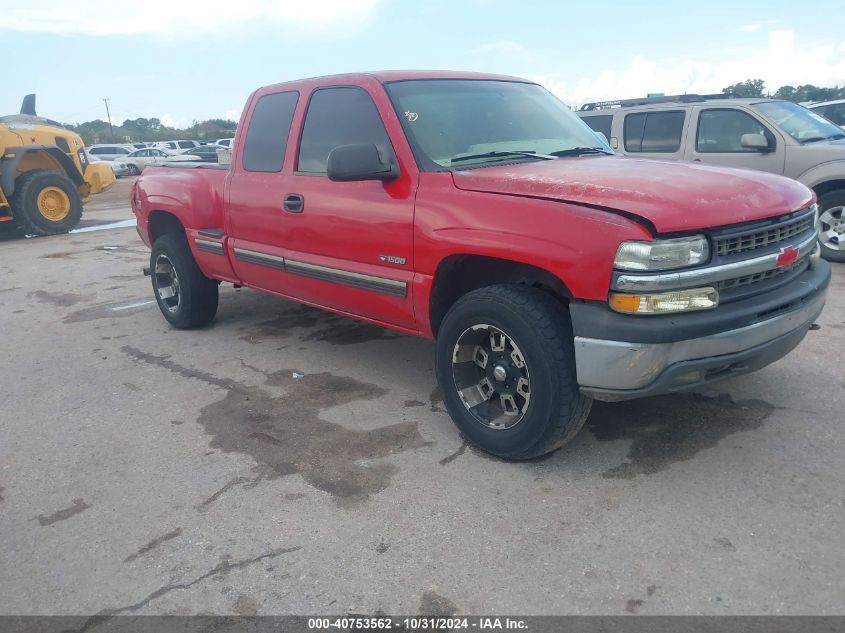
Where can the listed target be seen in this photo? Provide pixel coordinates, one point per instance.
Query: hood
(812, 154)
(671, 196)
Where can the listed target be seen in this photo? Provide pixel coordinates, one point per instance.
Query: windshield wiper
(578, 151)
(816, 139)
(502, 154)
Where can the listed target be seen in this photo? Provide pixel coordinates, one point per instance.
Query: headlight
(815, 208)
(665, 302)
(662, 254)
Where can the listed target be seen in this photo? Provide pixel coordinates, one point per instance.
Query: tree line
(807, 92)
(145, 130)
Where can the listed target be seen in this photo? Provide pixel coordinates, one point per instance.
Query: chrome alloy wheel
(491, 376)
(167, 283)
(832, 228)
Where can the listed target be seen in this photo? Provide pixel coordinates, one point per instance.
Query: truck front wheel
(186, 297)
(506, 369)
(46, 202)
(832, 225)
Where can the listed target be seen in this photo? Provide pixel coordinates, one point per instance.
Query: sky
(187, 60)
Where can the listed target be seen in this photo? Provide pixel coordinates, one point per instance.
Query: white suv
(177, 146)
(105, 151)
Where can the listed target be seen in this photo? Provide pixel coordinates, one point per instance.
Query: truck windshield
(471, 122)
(799, 122)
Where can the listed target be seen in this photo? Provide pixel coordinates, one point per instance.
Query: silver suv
(764, 134)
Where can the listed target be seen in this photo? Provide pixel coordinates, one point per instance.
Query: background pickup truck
(480, 211)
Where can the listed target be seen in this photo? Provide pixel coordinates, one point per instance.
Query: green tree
(785, 92)
(809, 92)
(747, 88)
(143, 129)
(96, 131)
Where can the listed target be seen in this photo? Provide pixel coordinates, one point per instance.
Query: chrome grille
(729, 284)
(745, 242)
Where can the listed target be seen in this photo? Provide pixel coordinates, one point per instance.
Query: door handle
(294, 203)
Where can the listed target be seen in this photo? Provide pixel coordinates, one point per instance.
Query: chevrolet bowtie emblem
(786, 257)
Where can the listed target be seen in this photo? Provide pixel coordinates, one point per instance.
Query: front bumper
(635, 362)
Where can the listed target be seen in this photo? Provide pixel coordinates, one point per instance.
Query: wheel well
(29, 159)
(827, 187)
(459, 274)
(163, 222)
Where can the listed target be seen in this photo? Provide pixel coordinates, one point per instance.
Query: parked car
(833, 111)
(137, 160)
(780, 137)
(225, 142)
(479, 210)
(108, 151)
(204, 153)
(119, 168)
(176, 146)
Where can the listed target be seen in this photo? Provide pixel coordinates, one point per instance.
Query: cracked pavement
(287, 461)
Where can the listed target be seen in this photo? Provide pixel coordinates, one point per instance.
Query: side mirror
(755, 141)
(359, 162)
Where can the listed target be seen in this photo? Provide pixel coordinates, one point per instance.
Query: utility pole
(111, 129)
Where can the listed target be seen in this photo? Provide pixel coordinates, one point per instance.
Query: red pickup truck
(480, 211)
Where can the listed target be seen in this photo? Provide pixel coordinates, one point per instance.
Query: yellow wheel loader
(45, 174)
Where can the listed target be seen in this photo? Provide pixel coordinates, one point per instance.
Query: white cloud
(232, 115)
(747, 28)
(174, 17)
(171, 121)
(780, 63)
(504, 48)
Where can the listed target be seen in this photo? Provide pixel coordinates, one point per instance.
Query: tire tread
(199, 293)
(550, 320)
(23, 209)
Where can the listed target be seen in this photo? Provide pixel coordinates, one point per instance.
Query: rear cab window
(656, 132)
(267, 136)
(326, 128)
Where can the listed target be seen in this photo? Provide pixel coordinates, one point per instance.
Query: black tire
(133, 170)
(25, 203)
(834, 200)
(196, 295)
(540, 328)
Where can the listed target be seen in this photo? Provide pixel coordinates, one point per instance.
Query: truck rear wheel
(832, 225)
(186, 297)
(46, 202)
(506, 369)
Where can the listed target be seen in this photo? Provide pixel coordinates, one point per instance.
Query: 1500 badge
(390, 259)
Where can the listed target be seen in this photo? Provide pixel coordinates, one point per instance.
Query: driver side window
(721, 130)
(339, 116)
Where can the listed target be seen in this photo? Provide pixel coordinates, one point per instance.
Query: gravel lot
(149, 471)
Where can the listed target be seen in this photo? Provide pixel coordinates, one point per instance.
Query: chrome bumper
(616, 370)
